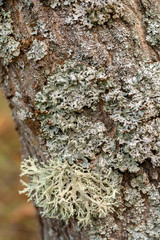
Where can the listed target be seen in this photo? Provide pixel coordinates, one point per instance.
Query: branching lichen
(65, 191)
(9, 47)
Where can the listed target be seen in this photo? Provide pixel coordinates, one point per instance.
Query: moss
(65, 191)
(9, 47)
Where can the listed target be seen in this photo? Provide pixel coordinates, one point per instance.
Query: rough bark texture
(40, 35)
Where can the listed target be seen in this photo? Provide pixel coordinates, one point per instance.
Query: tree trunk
(123, 38)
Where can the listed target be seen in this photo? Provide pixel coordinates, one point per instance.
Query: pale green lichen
(70, 132)
(9, 47)
(65, 191)
(38, 50)
(68, 107)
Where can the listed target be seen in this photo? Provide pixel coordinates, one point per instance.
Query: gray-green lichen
(91, 12)
(65, 191)
(68, 109)
(38, 50)
(1, 3)
(141, 208)
(41, 28)
(152, 21)
(134, 106)
(71, 134)
(9, 47)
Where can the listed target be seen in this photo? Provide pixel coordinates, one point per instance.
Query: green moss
(9, 47)
(65, 191)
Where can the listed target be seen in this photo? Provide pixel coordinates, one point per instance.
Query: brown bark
(119, 45)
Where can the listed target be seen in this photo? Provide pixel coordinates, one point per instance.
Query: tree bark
(122, 38)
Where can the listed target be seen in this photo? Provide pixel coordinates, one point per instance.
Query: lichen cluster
(142, 214)
(9, 47)
(91, 12)
(68, 106)
(72, 108)
(152, 21)
(71, 132)
(134, 106)
(65, 191)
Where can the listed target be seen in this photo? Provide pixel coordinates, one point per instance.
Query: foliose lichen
(41, 28)
(91, 12)
(38, 50)
(134, 106)
(71, 132)
(152, 21)
(9, 47)
(68, 106)
(142, 202)
(65, 191)
(153, 28)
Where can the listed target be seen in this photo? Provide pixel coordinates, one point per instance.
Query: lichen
(37, 51)
(9, 47)
(90, 12)
(134, 106)
(41, 28)
(68, 106)
(65, 191)
(142, 200)
(152, 21)
(1, 3)
(71, 134)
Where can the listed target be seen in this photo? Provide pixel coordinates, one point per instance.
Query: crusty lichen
(9, 47)
(65, 191)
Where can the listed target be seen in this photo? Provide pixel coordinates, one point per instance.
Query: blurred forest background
(17, 217)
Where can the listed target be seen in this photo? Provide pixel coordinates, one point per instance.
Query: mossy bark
(124, 43)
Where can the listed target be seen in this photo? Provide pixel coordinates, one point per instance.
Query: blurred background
(17, 216)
